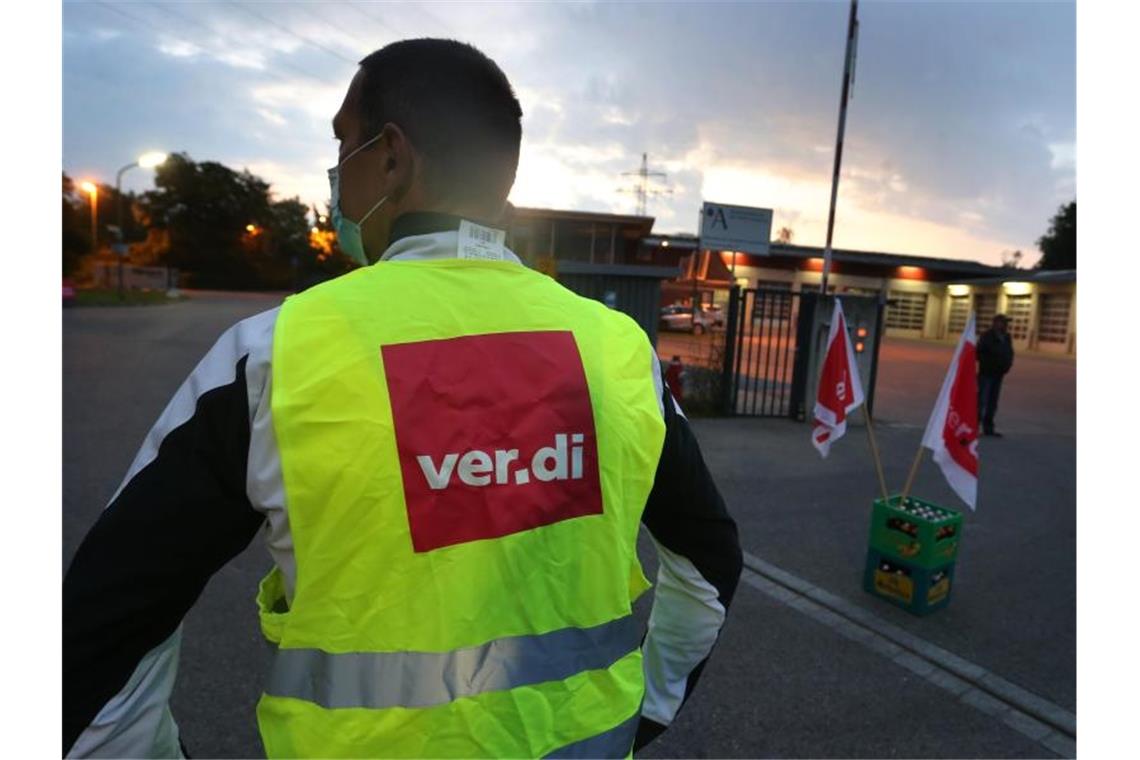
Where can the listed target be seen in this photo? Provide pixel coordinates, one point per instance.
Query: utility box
(864, 316)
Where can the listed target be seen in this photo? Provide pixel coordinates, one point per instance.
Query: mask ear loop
(362, 147)
(378, 205)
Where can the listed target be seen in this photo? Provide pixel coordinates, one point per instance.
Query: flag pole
(910, 477)
(844, 96)
(875, 455)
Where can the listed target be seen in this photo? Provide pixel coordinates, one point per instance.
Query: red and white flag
(952, 433)
(839, 392)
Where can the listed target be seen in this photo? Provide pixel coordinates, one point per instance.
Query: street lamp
(147, 161)
(93, 190)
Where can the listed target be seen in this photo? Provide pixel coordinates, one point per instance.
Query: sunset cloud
(958, 144)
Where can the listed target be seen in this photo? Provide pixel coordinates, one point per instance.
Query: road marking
(1036, 718)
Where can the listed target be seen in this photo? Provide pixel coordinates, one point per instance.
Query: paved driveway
(781, 683)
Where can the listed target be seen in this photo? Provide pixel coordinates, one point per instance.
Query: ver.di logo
(495, 435)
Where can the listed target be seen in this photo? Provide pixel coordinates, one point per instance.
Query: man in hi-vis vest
(451, 455)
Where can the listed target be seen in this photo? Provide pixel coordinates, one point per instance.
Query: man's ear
(399, 165)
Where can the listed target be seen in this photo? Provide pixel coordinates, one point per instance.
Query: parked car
(68, 292)
(714, 314)
(680, 318)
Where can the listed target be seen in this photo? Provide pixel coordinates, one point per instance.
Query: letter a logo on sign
(716, 217)
(495, 435)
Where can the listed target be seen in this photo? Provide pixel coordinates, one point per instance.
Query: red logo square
(495, 435)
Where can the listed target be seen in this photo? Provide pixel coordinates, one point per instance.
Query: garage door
(959, 313)
(1053, 325)
(906, 311)
(985, 306)
(1018, 311)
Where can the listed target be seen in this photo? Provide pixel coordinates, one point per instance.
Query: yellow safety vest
(466, 449)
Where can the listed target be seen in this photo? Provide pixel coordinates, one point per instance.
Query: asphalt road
(780, 683)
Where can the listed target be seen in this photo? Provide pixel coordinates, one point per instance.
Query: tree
(208, 210)
(1059, 245)
(76, 229)
(785, 235)
(218, 225)
(1011, 258)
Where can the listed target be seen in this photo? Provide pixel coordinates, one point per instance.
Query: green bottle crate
(920, 533)
(916, 589)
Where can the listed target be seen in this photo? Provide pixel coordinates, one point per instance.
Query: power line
(164, 7)
(290, 32)
(356, 7)
(184, 39)
(361, 44)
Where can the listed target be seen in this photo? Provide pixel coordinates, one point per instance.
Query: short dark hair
(457, 108)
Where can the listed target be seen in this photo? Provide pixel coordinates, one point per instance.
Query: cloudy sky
(960, 136)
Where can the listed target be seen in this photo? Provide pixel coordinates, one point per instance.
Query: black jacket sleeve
(148, 557)
(687, 517)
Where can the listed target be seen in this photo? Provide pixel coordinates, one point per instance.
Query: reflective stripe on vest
(421, 679)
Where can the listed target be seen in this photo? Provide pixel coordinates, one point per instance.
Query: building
(535, 234)
(927, 298)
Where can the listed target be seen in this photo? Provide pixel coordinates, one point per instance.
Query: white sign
(735, 228)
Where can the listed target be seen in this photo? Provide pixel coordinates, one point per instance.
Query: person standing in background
(995, 357)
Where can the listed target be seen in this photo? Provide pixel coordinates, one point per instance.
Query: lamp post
(92, 190)
(147, 161)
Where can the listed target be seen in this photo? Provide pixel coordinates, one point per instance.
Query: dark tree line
(220, 227)
(1059, 245)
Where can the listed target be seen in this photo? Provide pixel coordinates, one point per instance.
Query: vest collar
(422, 235)
(422, 223)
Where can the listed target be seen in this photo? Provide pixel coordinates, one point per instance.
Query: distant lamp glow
(152, 159)
(958, 290)
(89, 188)
(860, 332)
(1017, 288)
(322, 218)
(859, 347)
(251, 228)
(315, 230)
(664, 243)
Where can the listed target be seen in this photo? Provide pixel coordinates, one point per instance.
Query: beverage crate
(918, 533)
(914, 588)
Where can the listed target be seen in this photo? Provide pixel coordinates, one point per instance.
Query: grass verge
(130, 298)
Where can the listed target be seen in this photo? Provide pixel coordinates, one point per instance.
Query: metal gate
(760, 351)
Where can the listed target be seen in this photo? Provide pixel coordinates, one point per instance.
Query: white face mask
(348, 235)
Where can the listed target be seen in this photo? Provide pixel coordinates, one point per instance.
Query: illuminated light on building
(911, 273)
(1017, 288)
(958, 290)
(814, 264)
(664, 243)
(861, 332)
(859, 347)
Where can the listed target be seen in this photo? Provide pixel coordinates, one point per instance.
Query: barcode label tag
(479, 242)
